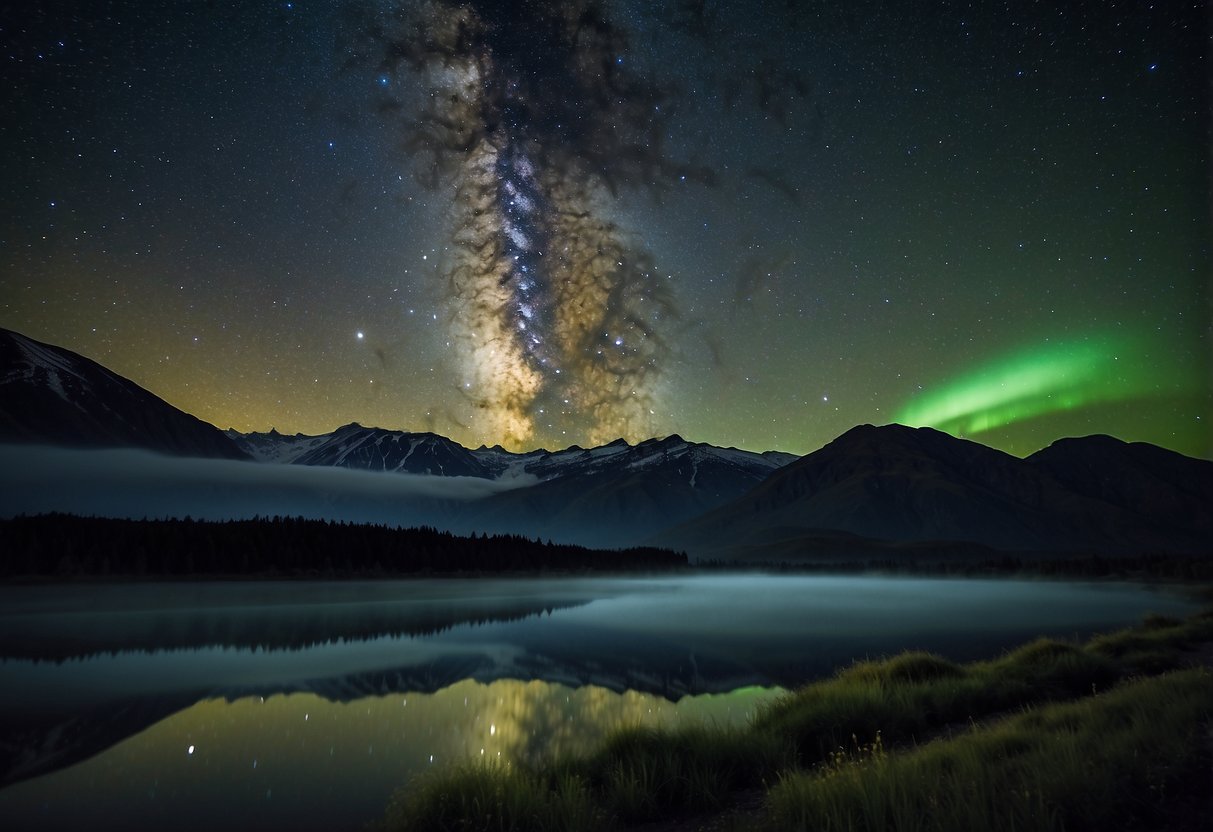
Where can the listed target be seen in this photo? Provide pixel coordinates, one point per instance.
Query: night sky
(539, 223)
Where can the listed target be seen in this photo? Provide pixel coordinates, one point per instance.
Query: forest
(68, 546)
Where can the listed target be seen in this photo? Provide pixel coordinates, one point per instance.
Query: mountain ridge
(894, 485)
(878, 489)
(52, 395)
(622, 491)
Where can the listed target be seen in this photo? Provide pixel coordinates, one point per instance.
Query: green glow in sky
(1047, 378)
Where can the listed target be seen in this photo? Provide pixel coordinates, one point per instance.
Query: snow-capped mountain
(875, 490)
(619, 494)
(378, 449)
(616, 494)
(550, 464)
(367, 449)
(52, 396)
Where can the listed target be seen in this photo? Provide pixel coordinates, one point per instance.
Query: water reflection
(86, 669)
(303, 761)
(57, 622)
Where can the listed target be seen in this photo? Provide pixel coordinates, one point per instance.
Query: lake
(267, 705)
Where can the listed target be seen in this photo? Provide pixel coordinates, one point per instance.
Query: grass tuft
(913, 694)
(1159, 644)
(489, 797)
(1113, 761)
(1048, 669)
(644, 773)
(1157, 621)
(911, 666)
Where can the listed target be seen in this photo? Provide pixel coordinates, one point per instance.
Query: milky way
(532, 222)
(535, 119)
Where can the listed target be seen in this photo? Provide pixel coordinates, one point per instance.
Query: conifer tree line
(68, 546)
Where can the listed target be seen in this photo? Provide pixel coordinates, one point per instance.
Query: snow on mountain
(874, 489)
(275, 447)
(377, 449)
(612, 495)
(52, 396)
(615, 494)
(618, 494)
(368, 449)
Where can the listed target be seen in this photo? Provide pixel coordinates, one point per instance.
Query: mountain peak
(893, 485)
(892, 429)
(902, 439)
(52, 395)
(1095, 440)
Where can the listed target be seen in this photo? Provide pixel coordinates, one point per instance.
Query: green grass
(915, 694)
(638, 775)
(834, 753)
(492, 797)
(641, 774)
(1120, 760)
(1157, 645)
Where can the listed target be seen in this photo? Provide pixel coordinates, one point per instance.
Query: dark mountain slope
(619, 494)
(52, 396)
(1161, 487)
(894, 485)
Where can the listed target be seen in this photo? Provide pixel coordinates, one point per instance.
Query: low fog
(137, 484)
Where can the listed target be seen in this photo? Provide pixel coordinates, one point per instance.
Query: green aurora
(1052, 378)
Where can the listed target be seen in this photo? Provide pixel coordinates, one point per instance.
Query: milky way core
(535, 121)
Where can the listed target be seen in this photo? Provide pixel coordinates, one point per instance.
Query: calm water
(242, 706)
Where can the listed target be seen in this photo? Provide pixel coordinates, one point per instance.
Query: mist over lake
(292, 695)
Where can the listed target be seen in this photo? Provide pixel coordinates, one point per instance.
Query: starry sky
(753, 223)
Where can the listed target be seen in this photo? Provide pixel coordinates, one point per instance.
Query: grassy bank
(1043, 737)
(1129, 759)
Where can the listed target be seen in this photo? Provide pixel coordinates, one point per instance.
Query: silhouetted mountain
(883, 491)
(52, 396)
(1161, 487)
(36, 744)
(885, 487)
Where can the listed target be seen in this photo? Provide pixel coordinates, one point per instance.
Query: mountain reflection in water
(301, 761)
(293, 695)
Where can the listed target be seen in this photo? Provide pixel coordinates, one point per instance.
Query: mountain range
(614, 495)
(875, 491)
(894, 488)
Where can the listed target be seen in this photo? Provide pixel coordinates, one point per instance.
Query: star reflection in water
(303, 761)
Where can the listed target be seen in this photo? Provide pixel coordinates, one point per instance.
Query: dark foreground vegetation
(65, 546)
(1110, 734)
